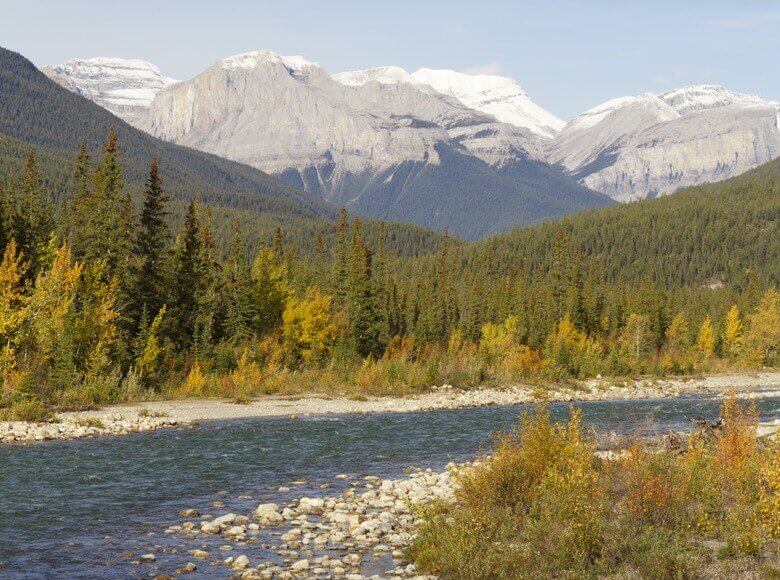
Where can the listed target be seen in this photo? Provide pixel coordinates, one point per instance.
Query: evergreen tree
(341, 260)
(152, 247)
(103, 224)
(362, 312)
(240, 307)
(34, 221)
(186, 274)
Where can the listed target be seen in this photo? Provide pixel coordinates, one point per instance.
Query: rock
(300, 565)
(190, 513)
(236, 531)
(268, 513)
(225, 520)
(148, 558)
(313, 505)
(210, 528)
(240, 563)
(200, 554)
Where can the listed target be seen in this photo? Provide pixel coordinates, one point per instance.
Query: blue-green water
(69, 508)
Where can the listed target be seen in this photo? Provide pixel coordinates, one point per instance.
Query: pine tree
(341, 260)
(240, 307)
(186, 274)
(34, 221)
(104, 220)
(152, 244)
(362, 312)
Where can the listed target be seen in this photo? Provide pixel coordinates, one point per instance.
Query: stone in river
(300, 565)
(148, 558)
(190, 513)
(225, 520)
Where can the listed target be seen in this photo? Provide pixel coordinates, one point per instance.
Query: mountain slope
(37, 112)
(720, 233)
(639, 147)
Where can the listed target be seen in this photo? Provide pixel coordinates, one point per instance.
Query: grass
(148, 413)
(544, 506)
(91, 422)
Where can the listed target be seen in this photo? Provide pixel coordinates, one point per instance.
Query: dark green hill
(36, 112)
(711, 234)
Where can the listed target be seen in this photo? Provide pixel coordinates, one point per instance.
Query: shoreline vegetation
(157, 414)
(100, 303)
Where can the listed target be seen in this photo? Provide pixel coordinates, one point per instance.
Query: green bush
(32, 411)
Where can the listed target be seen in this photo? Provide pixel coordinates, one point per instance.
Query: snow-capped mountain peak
(247, 60)
(386, 75)
(499, 96)
(704, 97)
(125, 86)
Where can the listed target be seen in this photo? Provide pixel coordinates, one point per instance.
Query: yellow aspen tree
(677, 335)
(152, 356)
(308, 328)
(705, 341)
(732, 333)
(763, 335)
(51, 300)
(12, 305)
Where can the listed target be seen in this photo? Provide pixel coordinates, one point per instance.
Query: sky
(569, 55)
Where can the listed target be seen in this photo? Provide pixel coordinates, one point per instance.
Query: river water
(68, 509)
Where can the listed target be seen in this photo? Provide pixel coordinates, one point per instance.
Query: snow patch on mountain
(499, 96)
(386, 75)
(248, 60)
(704, 97)
(124, 86)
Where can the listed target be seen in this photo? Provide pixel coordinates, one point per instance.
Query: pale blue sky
(568, 54)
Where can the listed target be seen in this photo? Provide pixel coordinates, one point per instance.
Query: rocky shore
(152, 415)
(74, 427)
(361, 533)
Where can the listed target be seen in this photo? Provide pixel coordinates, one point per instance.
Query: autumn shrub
(536, 505)
(542, 506)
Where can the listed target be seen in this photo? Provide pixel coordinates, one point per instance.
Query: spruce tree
(186, 272)
(364, 323)
(34, 220)
(152, 243)
(240, 307)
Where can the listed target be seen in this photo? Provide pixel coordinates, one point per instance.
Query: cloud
(491, 68)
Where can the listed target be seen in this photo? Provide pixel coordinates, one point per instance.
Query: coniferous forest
(110, 294)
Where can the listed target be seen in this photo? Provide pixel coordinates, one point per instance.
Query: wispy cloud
(491, 68)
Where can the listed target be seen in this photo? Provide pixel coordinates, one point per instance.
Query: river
(70, 508)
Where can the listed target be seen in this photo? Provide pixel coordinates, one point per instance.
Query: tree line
(100, 301)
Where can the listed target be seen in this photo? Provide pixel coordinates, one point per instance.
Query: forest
(107, 295)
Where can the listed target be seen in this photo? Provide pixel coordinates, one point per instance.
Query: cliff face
(639, 147)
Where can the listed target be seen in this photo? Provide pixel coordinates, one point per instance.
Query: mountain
(390, 150)
(499, 97)
(650, 145)
(125, 87)
(36, 112)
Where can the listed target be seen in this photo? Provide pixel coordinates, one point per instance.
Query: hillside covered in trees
(102, 301)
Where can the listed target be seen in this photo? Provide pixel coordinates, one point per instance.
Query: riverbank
(152, 415)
